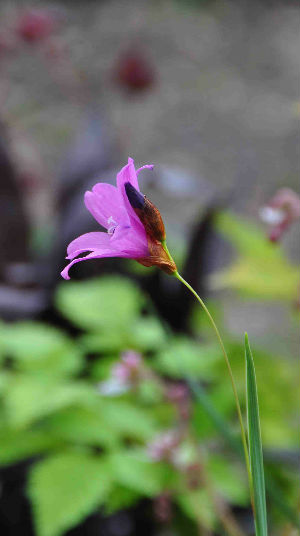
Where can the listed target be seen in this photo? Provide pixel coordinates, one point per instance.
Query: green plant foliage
(198, 506)
(128, 420)
(81, 425)
(136, 471)
(65, 488)
(29, 398)
(19, 444)
(255, 446)
(260, 270)
(54, 410)
(100, 304)
(36, 347)
(184, 357)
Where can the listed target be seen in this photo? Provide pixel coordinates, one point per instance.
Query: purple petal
(94, 255)
(105, 203)
(130, 241)
(88, 242)
(125, 247)
(128, 174)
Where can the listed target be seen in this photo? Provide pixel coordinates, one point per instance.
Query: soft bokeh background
(208, 91)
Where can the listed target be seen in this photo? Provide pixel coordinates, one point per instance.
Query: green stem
(238, 407)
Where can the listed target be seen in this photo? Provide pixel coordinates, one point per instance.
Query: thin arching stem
(238, 407)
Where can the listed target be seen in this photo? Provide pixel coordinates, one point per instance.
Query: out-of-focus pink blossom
(280, 212)
(128, 370)
(178, 395)
(36, 24)
(163, 447)
(125, 375)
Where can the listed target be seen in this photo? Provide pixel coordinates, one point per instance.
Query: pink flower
(280, 212)
(128, 370)
(36, 24)
(134, 226)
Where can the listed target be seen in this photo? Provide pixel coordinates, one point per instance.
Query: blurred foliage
(89, 442)
(260, 270)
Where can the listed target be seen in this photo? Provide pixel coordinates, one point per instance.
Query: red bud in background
(35, 25)
(134, 71)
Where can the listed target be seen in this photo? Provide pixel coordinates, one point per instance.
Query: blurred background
(117, 417)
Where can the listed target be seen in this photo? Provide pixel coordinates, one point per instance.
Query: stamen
(112, 224)
(147, 166)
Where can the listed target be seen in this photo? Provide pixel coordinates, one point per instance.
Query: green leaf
(65, 488)
(37, 347)
(28, 398)
(82, 426)
(255, 445)
(147, 334)
(261, 270)
(184, 357)
(110, 303)
(20, 444)
(137, 472)
(128, 420)
(197, 505)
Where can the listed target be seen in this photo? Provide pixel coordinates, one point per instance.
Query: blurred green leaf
(81, 425)
(29, 398)
(121, 497)
(197, 505)
(229, 479)
(147, 334)
(261, 270)
(18, 445)
(255, 446)
(109, 303)
(185, 357)
(65, 488)
(136, 471)
(128, 419)
(37, 347)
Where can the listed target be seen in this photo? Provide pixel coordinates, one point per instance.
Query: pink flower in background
(128, 370)
(134, 226)
(36, 24)
(282, 210)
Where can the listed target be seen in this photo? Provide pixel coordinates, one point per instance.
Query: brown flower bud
(154, 227)
(147, 213)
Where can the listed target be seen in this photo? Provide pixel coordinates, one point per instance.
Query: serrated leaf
(261, 270)
(81, 425)
(109, 303)
(197, 505)
(65, 488)
(137, 472)
(147, 334)
(37, 347)
(228, 479)
(184, 357)
(255, 445)
(28, 398)
(20, 444)
(128, 420)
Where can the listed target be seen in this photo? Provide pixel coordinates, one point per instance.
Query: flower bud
(147, 213)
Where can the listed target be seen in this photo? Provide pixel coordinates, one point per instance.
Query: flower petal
(120, 248)
(88, 242)
(105, 202)
(131, 242)
(128, 174)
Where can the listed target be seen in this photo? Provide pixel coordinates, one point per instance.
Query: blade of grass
(255, 445)
(274, 492)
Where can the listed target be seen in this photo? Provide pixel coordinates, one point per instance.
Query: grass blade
(255, 445)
